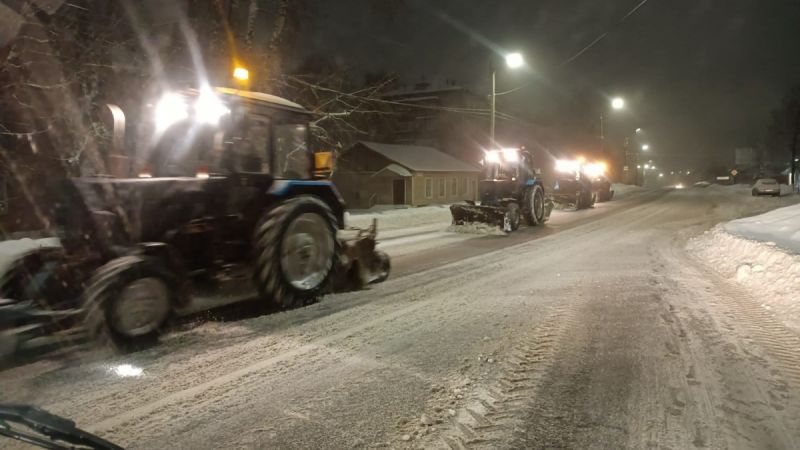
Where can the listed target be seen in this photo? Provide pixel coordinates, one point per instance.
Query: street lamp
(646, 147)
(514, 60)
(616, 103)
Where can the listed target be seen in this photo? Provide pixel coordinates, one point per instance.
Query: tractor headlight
(567, 165)
(170, 109)
(492, 157)
(209, 108)
(595, 170)
(510, 155)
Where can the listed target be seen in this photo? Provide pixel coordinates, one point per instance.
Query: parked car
(767, 186)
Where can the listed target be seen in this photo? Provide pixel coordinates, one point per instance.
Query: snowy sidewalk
(762, 253)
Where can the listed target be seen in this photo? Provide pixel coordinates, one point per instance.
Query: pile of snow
(762, 253)
(780, 226)
(476, 228)
(10, 250)
(392, 219)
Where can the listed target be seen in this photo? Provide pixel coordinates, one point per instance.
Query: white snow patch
(10, 250)
(625, 189)
(392, 219)
(780, 227)
(769, 272)
(476, 228)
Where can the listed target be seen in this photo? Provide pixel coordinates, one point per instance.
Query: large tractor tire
(512, 218)
(128, 302)
(533, 205)
(295, 251)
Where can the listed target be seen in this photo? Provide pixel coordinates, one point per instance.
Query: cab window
(291, 152)
(250, 152)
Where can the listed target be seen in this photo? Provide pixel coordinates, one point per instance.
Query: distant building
(370, 173)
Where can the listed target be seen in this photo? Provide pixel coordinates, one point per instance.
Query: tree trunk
(272, 64)
(252, 15)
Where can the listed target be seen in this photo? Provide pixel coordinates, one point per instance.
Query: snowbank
(625, 189)
(11, 249)
(392, 219)
(477, 228)
(780, 226)
(761, 254)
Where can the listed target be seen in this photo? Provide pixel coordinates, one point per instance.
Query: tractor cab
(221, 131)
(505, 174)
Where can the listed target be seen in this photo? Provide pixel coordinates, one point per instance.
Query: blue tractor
(510, 191)
(223, 200)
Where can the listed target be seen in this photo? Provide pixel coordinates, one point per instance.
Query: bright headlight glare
(492, 157)
(567, 165)
(209, 108)
(510, 155)
(170, 110)
(595, 169)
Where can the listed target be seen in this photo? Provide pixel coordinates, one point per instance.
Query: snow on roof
(420, 159)
(260, 96)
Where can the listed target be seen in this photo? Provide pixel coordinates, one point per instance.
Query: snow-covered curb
(391, 219)
(770, 273)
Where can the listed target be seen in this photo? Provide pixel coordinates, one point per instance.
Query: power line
(604, 34)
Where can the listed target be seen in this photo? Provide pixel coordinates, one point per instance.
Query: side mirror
(323, 164)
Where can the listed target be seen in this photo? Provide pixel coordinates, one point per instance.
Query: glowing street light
(645, 147)
(514, 60)
(646, 166)
(618, 103)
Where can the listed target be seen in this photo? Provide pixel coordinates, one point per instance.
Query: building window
(454, 186)
(474, 188)
(428, 187)
(463, 187)
(441, 187)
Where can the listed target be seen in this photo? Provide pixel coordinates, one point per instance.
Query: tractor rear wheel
(128, 301)
(533, 205)
(295, 250)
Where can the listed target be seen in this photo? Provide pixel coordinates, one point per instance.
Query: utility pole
(494, 109)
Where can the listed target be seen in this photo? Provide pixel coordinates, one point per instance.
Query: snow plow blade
(360, 262)
(464, 213)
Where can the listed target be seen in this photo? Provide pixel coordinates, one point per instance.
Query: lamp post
(514, 60)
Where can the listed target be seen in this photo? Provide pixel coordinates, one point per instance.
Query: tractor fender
(322, 189)
(171, 261)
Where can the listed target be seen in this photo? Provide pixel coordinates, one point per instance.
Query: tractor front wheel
(295, 250)
(533, 209)
(128, 301)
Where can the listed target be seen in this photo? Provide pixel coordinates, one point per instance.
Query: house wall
(466, 187)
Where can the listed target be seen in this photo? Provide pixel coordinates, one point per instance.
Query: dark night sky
(699, 75)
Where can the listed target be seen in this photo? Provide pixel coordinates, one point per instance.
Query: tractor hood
(125, 211)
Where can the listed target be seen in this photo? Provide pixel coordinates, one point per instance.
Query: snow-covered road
(598, 330)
